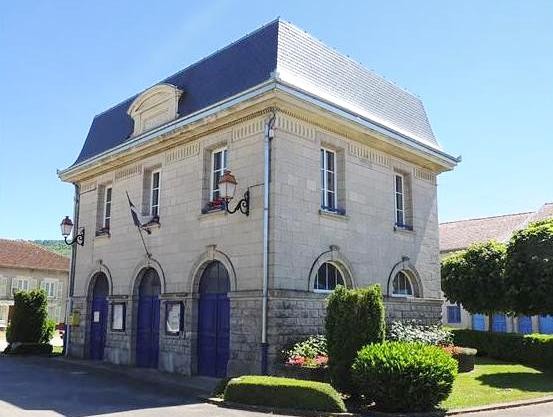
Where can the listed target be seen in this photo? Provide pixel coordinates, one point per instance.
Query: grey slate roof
(460, 234)
(278, 49)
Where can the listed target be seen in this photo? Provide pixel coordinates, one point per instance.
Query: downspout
(69, 306)
(269, 134)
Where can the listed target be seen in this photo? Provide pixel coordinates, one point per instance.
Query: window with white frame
(328, 179)
(50, 287)
(400, 199)
(154, 193)
(402, 286)
(327, 278)
(219, 159)
(107, 208)
(20, 284)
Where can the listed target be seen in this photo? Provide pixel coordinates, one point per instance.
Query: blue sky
(483, 69)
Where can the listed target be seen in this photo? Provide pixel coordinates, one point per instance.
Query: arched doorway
(99, 316)
(147, 328)
(214, 321)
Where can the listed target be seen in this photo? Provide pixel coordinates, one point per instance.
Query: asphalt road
(41, 387)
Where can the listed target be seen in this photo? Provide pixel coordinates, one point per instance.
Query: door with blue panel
(214, 321)
(499, 323)
(98, 317)
(478, 322)
(546, 324)
(147, 327)
(524, 324)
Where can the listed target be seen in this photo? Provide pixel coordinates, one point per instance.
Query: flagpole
(137, 223)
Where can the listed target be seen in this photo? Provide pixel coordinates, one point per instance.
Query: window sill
(151, 225)
(212, 214)
(102, 235)
(333, 215)
(404, 229)
(402, 296)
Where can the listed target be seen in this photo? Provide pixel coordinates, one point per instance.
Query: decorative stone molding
(409, 269)
(128, 172)
(211, 254)
(294, 126)
(368, 154)
(182, 152)
(146, 263)
(425, 175)
(154, 107)
(87, 187)
(100, 267)
(335, 257)
(249, 128)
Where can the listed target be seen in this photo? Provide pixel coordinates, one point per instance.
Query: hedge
(531, 349)
(355, 318)
(30, 323)
(270, 391)
(404, 376)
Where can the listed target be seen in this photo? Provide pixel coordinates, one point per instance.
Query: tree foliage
(355, 318)
(30, 323)
(475, 279)
(529, 269)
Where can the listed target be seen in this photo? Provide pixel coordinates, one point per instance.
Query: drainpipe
(69, 306)
(269, 134)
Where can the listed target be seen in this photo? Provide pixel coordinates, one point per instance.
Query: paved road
(41, 387)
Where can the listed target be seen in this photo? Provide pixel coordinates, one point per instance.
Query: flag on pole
(134, 212)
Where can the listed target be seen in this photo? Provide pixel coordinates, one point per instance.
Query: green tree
(29, 323)
(529, 269)
(475, 278)
(354, 318)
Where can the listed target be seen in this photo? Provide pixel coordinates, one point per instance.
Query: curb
(309, 413)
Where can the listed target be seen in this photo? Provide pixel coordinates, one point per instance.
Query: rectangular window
(154, 195)
(107, 208)
(22, 284)
(454, 314)
(50, 288)
(400, 200)
(218, 167)
(328, 179)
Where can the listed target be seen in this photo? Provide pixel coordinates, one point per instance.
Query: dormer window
(154, 107)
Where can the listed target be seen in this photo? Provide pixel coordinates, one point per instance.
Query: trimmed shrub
(354, 319)
(270, 391)
(29, 349)
(404, 376)
(531, 349)
(464, 356)
(413, 331)
(29, 323)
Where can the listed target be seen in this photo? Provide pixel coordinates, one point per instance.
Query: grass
(493, 381)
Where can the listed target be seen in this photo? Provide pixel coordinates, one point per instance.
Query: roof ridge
(353, 60)
(488, 217)
(195, 63)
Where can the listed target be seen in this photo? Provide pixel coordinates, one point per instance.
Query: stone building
(340, 169)
(24, 266)
(458, 235)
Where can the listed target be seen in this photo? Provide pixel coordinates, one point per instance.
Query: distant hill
(57, 246)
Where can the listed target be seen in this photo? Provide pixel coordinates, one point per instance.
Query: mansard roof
(283, 52)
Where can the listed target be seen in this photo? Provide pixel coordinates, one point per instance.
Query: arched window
(328, 277)
(402, 286)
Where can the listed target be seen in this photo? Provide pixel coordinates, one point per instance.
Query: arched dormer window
(402, 285)
(154, 107)
(328, 277)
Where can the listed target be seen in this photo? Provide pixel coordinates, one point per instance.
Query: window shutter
(33, 284)
(3, 286)
(43, 285)
(59, 289)
(14, 285)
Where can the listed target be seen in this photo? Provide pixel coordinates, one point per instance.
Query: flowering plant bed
(464, 356)
(306, 359)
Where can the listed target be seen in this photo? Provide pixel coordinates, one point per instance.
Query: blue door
(478, 322)
(98, 327)
(98, 317)
(147, 329)
(213, 321)
(499, 323)
(524, 324)
(546, 324)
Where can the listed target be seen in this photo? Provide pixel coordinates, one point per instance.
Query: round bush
(404, 376)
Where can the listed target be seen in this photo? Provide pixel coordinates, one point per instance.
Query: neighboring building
(26, 265)
(458, 235)
(352, 173)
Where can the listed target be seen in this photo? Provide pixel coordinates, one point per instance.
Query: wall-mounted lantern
(66, 228)
(227, 188)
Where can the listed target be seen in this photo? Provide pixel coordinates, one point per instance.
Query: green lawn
(494, 381)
